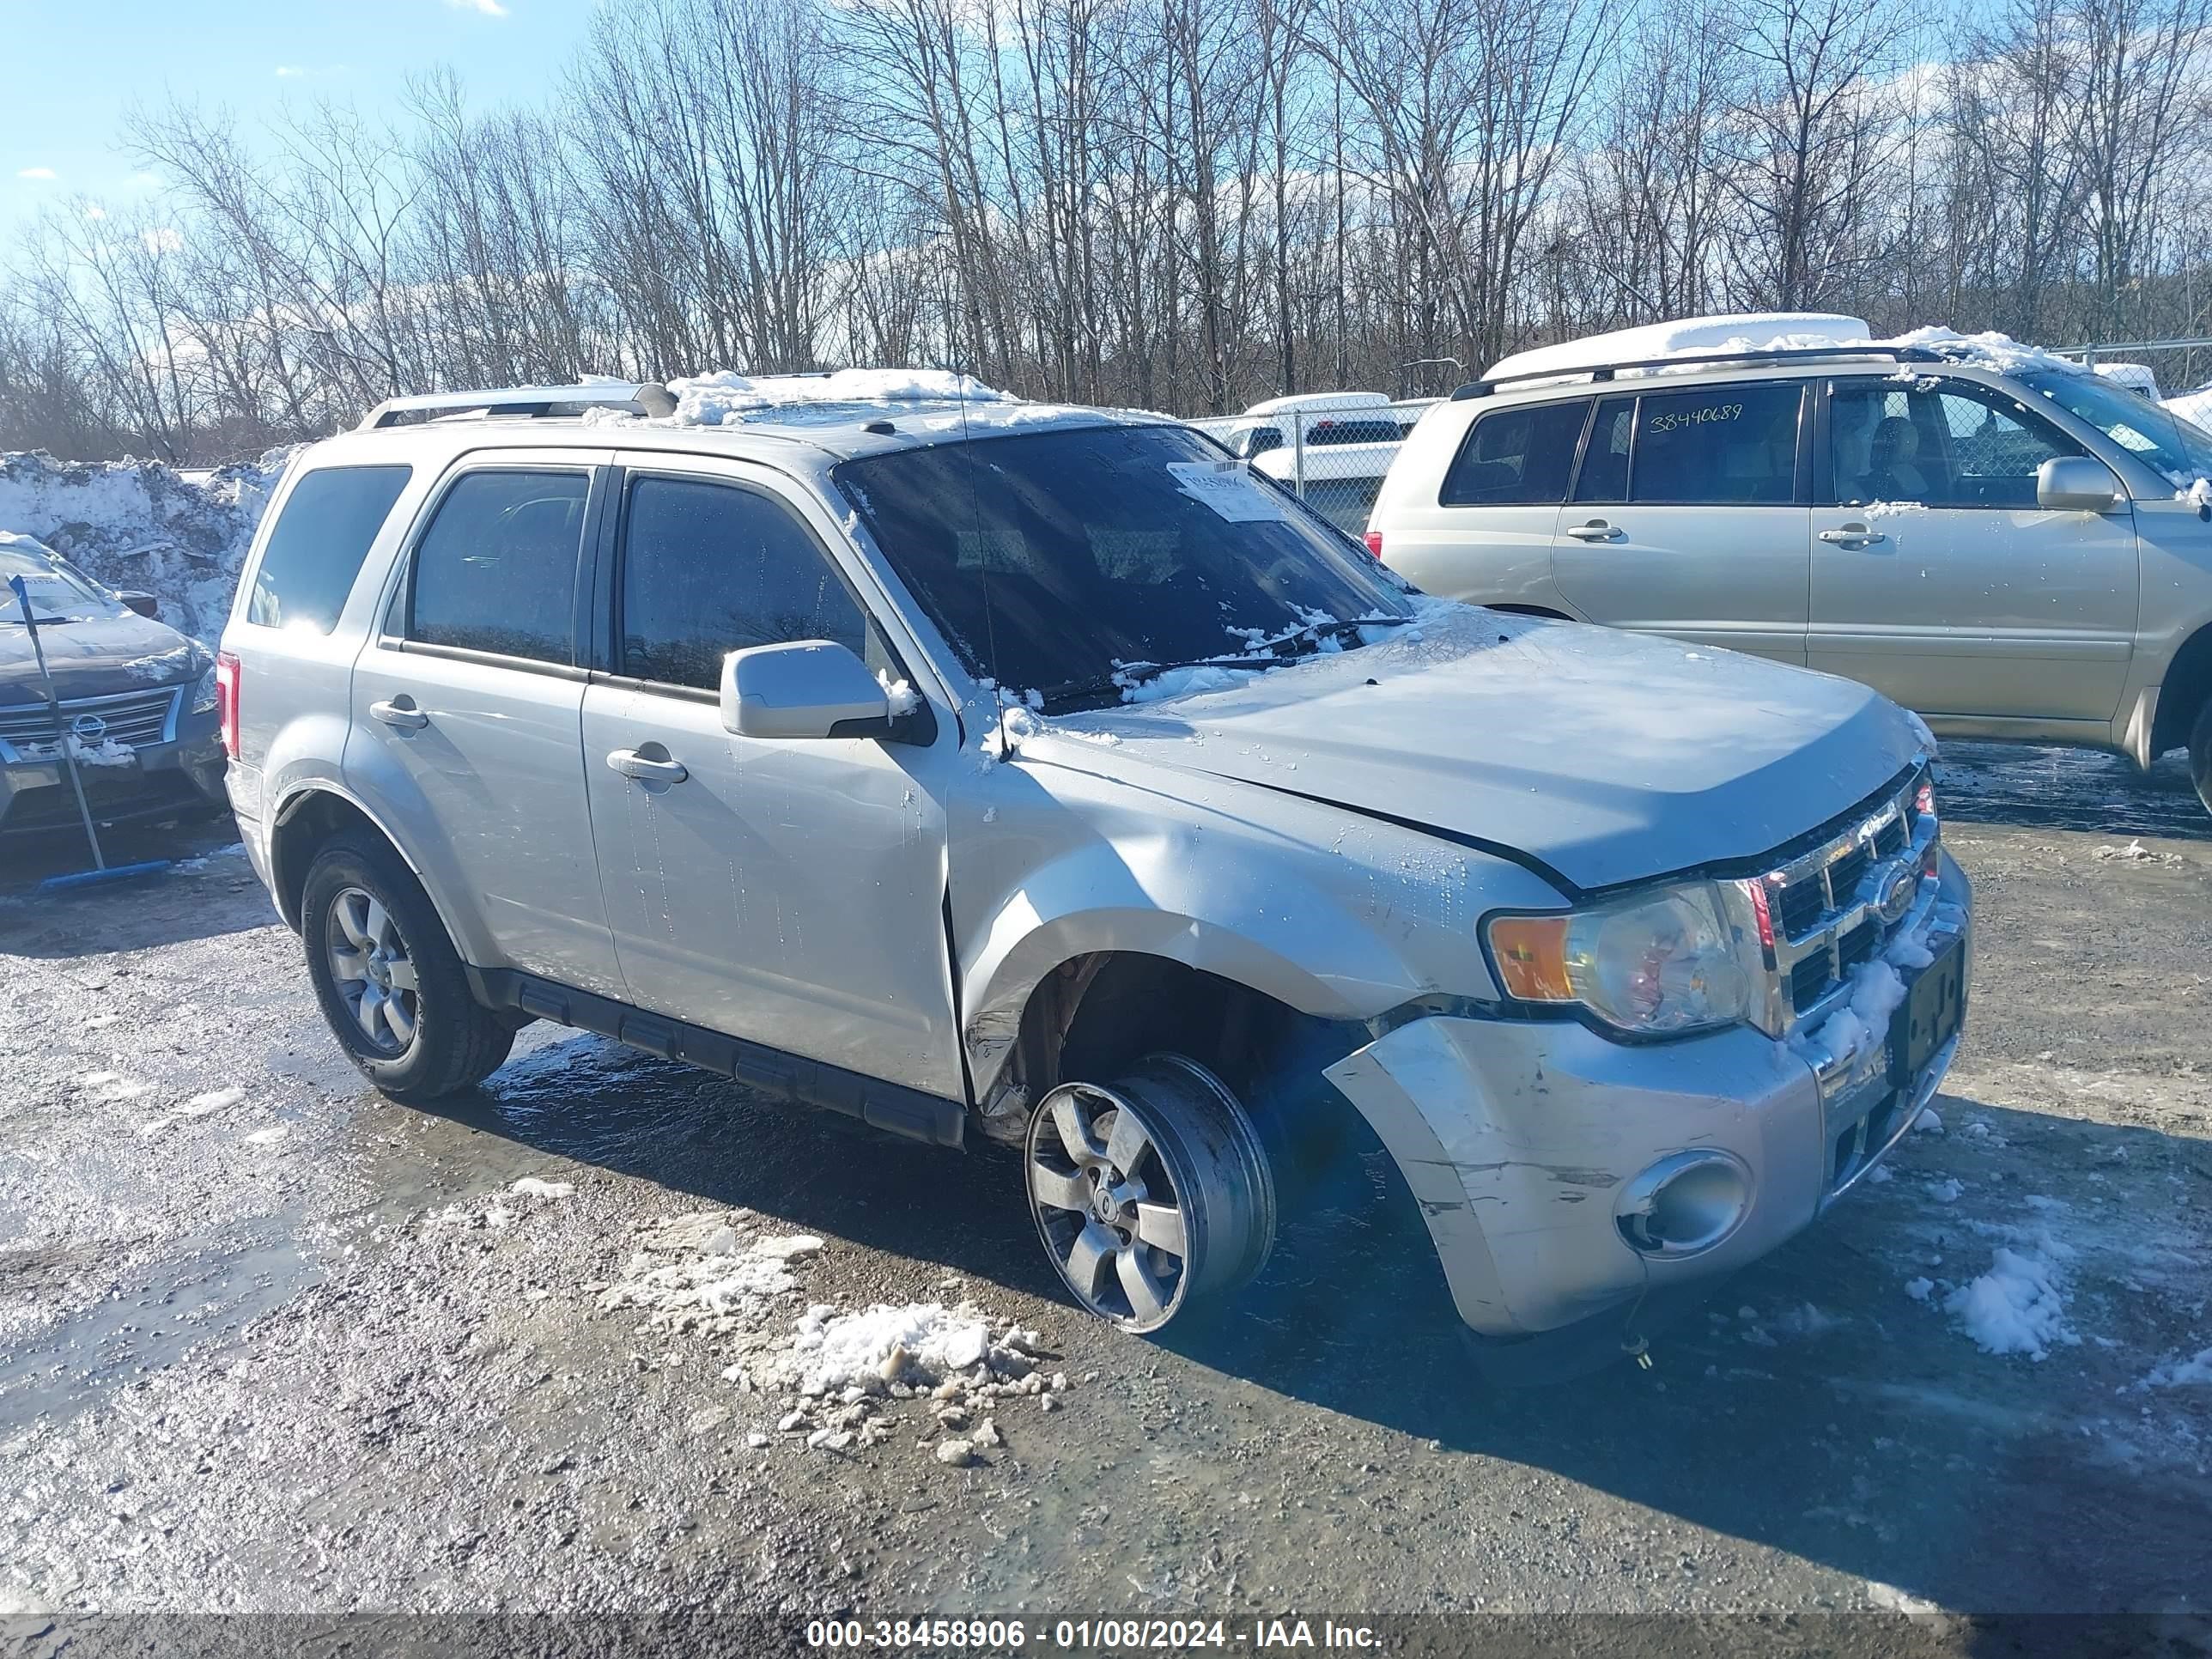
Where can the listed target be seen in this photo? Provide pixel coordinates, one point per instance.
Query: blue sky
(72, 69)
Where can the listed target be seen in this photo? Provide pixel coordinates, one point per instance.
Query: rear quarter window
(327, 526)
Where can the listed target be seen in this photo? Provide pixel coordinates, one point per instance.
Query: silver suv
(2010, 544)
(986, 768)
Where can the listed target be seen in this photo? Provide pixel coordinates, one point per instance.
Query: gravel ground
(270, 1342)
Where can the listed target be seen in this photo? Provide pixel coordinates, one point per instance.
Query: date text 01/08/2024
(1085, 1635)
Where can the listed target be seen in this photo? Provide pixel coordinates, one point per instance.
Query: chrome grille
(136, 718)
(1824, 906)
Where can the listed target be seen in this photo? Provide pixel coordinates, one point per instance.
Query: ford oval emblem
(1897, 898)
(89, 729)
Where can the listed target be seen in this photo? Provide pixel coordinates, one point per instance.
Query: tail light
(1374, 546)
(226, 701)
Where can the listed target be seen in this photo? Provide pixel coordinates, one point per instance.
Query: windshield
(1054, 560)
(2159, 436)
(57, 593)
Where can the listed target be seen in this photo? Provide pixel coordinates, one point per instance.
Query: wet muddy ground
(305, 1349)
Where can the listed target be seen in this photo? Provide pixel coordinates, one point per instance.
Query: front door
(1938, 581)
(1686, 518)
(790, 892)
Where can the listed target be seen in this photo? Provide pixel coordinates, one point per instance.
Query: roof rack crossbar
(1603, 372)
(524, 402)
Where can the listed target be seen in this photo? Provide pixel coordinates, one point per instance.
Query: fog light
(1684, 1203)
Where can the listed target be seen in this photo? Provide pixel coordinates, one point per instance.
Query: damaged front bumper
(1565, 1176)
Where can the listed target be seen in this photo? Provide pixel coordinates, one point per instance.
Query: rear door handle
(631, 764)
(1597, 530)
(1853, 535)
(402, 714)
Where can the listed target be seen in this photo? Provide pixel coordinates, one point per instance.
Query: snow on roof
(1774, 331)
(1298, 401)
(726, 398)
(1764, 331)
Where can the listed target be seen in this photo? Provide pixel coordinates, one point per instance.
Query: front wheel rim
(373, 974)
(1148, 1192)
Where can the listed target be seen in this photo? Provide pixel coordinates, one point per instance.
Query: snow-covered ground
(182, 538)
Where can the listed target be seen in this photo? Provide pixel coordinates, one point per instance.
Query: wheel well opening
(1095, 1016)
(2187, 685)
(305, 824)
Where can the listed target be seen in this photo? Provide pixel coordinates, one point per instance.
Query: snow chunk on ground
(532, 1186)
(268, 1137)
(2173, 1374)
(832, 1351)
(214, 1101)
(2016, 1307)
(1918, 1289)
(1929, 1123)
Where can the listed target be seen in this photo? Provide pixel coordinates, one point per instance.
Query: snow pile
(2134, 853)
(537, 1186)
(921, 1341)
(2017, 1307)
(728, 398)
(142, 525)
(2195, 407)
(702, 1271)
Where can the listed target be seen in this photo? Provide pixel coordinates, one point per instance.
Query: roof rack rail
(1601, 372)
(526, 402)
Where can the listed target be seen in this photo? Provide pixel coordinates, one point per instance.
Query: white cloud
(486, 8)
(35, 172)
(289, 71)
(96, 212)
(164, 241)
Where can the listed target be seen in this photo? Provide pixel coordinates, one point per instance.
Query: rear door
(467, 710)
(1938, 581)
(1488, 538)
(1687, 517)
(786, 891)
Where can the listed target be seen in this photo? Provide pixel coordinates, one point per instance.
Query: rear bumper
(1527, 1143)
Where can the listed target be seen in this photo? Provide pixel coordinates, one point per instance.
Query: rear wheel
(390, 983)
(2200, 754)
(1151, 1194)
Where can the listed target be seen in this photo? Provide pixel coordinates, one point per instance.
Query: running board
(891, 1107)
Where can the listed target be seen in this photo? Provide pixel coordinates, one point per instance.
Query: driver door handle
(1853, 535)
(1597, 530)
(404, 715)
(631, 764)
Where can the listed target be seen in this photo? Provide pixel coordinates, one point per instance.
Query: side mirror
(2076, 483)
(808, 688)
(144, 604)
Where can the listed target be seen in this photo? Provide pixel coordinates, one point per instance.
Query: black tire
(2200, 754)
(455, 1041)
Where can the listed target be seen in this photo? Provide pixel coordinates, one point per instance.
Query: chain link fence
(1333, 459)
(2177, 372)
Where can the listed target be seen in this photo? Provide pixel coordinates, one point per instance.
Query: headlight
(1655, 963)
(203, 697)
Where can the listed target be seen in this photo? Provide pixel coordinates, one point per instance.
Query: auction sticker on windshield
(1230, 489)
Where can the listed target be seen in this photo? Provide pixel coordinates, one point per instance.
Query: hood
(1607, 756)
(97, 657)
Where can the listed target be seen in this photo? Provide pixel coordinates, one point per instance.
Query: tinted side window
(316, 549)
(710, 569)
(1723, 445)
(1516, 456)
(496, 570)
(1604, 476)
